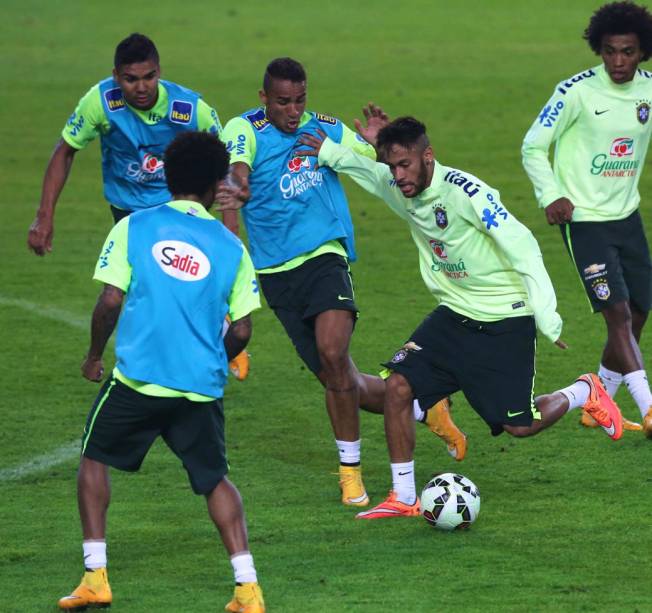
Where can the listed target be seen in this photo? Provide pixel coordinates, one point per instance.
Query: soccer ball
(450, 501)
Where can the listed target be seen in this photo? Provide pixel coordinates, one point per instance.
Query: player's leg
(597, 252)
(115, 435)
(415, 373)
(194, 431)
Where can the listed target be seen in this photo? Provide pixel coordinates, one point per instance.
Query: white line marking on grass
(82, 323)
(40, 463)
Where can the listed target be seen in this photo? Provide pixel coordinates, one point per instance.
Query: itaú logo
(181, 260)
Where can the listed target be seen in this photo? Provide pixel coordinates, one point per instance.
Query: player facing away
(301, 239)
(599, 121)
(181, 272)
(486, 271)
(136, 115)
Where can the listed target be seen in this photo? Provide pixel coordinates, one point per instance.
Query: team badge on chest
(643, 111)
(441, 219)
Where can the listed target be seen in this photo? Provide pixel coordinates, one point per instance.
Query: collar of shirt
(196, 209)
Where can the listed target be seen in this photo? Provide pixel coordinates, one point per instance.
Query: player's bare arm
(560, 211)
(105, 318)
(375, 118)
(234, 193)
(237, 336)
(41, 232)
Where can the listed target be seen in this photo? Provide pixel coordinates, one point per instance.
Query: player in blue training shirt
(301, 241)
(179, 271)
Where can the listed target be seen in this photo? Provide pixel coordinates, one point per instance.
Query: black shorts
(491, 362)
(298, 295)
(613, 261)
(123, 424)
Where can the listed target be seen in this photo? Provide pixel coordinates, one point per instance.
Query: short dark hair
(404, 131)
(194, 162)
(133, 49)
(285, 69)
(620, 18)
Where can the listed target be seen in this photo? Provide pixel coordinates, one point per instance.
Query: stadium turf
(564, 524)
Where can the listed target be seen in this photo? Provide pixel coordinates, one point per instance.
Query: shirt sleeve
(355, 142)
(368, 174)
(240, 141)
(207, 119)
(113, 264)
(88, 120)
(522, 251)
(245, 296)
(558, 114)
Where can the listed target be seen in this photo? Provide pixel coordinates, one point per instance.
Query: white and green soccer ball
(450, 501)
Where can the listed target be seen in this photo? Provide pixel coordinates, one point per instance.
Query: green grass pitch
(565, 520)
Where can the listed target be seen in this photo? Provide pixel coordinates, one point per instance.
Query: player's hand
(231, 196)
(375, 118)
(561, 344)
(560, 211)
(312, 141)
(39, 237)
(92, 369)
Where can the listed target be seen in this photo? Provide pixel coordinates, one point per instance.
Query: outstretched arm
(105, 318)
(39, 238)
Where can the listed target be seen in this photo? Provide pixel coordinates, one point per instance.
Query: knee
(398, 390)
(334, 359)
(519, 431)
(618, 317)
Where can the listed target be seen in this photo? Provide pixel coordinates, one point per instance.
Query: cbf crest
(643, 111)
(441, 219)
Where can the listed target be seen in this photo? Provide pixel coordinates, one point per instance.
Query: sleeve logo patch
(181, 112)
(114, 99)
(181, 260)
(258, 120)
(326, 119)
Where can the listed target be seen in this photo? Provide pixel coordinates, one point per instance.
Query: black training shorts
(613, 261)
(123, 424)
(491, 362)
(298, 295)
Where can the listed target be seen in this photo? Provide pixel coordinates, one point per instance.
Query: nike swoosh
(358, 498)
(510, 414)
(409, 472)
(611, 430)
(601, 112)
(339, 297)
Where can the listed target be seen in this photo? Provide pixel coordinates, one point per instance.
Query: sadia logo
(181, 260)
(295, 164)
(622, 146)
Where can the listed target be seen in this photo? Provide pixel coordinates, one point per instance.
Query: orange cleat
(391, 508)
(601, 407)
(588, 422)
(647, 423)
(440, 422)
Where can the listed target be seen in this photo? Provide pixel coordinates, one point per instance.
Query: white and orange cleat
(353, 490)
(588, 422)
(601, 407)
(247, 598)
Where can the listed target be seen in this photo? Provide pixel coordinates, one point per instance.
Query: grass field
(565, 521)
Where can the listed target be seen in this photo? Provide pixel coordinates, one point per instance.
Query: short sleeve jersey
(89, 120)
